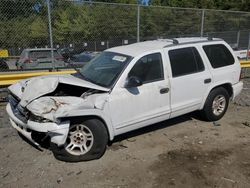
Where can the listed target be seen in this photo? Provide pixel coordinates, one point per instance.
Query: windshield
(105, 68)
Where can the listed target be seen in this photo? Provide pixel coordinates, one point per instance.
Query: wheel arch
(226, 85)
(104, 120)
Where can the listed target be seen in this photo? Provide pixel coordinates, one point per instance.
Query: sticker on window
(119, 58)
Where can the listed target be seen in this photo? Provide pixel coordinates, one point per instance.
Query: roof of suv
(141, 47)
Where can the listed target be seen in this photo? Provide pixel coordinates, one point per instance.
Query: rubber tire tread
(207, 112)
(100, 134)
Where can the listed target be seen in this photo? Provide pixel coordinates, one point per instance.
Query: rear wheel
(86, 140)
(216, 104)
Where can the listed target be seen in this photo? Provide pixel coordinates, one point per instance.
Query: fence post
(107, 44)
(248, 46)
(50, 36)
(202, 22)
(238, 38)
(138, 22)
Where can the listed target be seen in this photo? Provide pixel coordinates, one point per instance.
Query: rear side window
(148, 68)
(218, 55)
(185, 61)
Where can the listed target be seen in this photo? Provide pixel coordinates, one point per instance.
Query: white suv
(123, 89)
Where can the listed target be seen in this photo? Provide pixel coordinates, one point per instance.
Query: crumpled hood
(52, 108)
(31, 89)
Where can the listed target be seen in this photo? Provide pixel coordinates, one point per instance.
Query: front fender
(93, 113)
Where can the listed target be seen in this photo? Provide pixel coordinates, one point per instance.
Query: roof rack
(209, 38)
(175, 41)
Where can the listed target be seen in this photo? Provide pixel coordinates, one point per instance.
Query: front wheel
(86, 140)
(216, 104)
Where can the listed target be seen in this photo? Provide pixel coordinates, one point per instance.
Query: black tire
(207, 112)
(98, 148)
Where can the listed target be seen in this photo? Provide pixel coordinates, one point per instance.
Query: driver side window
(148, 69)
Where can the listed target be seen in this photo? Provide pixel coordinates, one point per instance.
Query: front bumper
(57, 132)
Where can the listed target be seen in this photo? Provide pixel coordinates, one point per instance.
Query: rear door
(189, 81)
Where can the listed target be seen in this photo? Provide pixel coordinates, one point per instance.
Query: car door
(189, 81)
(136, 107)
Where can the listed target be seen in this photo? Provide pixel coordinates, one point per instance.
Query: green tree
(62, 27)
(39, 31)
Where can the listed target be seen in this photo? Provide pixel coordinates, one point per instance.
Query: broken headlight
(38, 119)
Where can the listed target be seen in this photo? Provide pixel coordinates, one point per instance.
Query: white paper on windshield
(119, 58)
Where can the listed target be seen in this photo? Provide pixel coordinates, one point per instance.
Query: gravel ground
(244, 98)
(182, 152)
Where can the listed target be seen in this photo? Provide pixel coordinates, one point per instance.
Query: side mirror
(133, 81)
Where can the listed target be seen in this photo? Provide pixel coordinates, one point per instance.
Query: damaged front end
(44, 105)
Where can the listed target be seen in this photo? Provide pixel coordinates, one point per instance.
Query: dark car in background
(40, 58)
(3, 65)
(79, 60)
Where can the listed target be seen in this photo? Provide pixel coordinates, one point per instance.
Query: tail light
(241, 74)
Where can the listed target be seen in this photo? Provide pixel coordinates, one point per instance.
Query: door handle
(207, 81)
(164, 90)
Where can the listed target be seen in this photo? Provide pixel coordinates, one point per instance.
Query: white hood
(30, 89)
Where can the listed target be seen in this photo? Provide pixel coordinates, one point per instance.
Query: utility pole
(50, 35)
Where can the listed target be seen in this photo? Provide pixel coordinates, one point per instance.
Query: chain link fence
(80, 29)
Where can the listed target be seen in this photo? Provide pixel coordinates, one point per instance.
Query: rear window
(218, 55)
(43, 54)
(185, 61)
